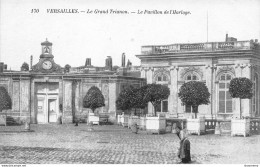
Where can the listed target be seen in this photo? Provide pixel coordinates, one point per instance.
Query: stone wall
(208, 70)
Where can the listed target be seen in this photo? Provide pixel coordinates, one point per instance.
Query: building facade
(215, 64)
(47, 91)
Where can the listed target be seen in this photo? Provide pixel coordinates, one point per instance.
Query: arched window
(255, 96)
(161, 77)
(224, 98)
(191, 77)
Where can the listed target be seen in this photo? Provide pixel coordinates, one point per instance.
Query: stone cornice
(213, 54)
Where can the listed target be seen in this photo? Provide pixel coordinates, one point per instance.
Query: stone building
(46, 91)
(214, 63)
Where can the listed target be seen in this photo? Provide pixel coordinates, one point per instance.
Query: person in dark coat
(184, 150)
(134, 128)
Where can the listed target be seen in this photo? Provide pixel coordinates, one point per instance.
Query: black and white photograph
(131, 82)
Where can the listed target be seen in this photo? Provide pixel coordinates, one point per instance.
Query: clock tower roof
(46, 63)
(46, 49)
(46, 43)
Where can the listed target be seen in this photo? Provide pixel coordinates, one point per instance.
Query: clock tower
(46, 49)
(46, 63)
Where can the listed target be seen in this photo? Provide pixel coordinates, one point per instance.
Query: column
(112, 97)
(238, 70)
(143, 71)
(149, 78)
(208, 78)
(180, 108)
(214, 91)
(173, 105)
(32, 102)
(67, 102)
(77, 97)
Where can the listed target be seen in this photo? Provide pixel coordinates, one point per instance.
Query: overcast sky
(76, 37)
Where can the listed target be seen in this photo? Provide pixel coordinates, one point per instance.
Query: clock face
(46, 65)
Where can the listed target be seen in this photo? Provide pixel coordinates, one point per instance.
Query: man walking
(184, 150)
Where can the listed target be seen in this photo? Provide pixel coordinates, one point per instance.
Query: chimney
(1, 67)
(129, 63)
(109, 63)
(226, 37)
(123, 60)
(5, 66)
(88, 62)
(31, 61)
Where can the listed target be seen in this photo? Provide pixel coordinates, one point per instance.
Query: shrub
(194, 93)
(94, 99)
(155, 93)
(241, 88)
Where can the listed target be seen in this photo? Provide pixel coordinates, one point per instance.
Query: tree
(241, 88)
(155, 93)
(138, 101)
(194, 93)
(94, 99)
(5, 100)
(67, 68)
(130, 98)
(114, 68)
(25, 67)
(123, 101)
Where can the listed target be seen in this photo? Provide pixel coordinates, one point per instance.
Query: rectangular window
(159, 79)
(229, 106)
(164, 78)
(165, 106)
(221, 85)
(222, 77)
(188, 109)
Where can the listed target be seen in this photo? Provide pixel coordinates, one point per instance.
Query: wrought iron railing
(255, 126)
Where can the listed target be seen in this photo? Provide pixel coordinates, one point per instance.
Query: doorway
(47, 105)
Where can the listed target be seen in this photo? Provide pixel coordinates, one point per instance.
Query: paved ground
(117, 145)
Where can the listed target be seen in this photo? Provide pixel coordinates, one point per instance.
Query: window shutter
(222, 101)
(229, 106)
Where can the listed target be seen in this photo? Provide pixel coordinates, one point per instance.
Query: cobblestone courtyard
(117, 145)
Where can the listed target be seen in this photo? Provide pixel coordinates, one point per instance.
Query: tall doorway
(47, 105)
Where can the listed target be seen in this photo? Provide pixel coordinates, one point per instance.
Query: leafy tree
(130, 98)
(123, 101)
(25, 67)
(67, 68)
(155, 93)
(114, 68)
(241, 88)
(194, 93)
(5, 100)
(138, 98)
(94, 99)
